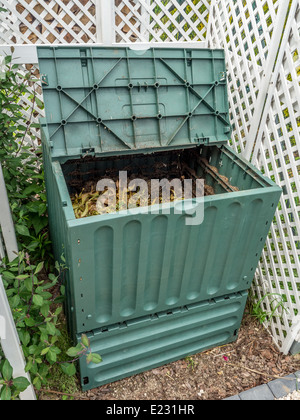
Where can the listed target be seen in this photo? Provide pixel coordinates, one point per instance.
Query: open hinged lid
(109, 100)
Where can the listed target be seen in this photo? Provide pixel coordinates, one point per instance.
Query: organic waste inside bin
(83, 177)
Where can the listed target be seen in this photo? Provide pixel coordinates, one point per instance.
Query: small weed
(191, 364)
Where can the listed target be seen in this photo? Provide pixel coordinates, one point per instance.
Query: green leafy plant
(34, 282)
(277, 307)
(10, 387)
(35, 299)
(21, 161)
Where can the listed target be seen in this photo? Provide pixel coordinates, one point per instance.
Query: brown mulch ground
(213, 375)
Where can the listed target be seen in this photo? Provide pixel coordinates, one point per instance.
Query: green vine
(34, 282)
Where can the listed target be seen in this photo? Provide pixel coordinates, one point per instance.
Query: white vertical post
(265, 83)
(145, 22)
(105, 23)
(6, 222)
(272, 84)
(11, 345)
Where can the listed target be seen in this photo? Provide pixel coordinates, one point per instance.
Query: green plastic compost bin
(118, 108)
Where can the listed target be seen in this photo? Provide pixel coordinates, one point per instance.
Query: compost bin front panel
(136, 346)
(130, 266)
(125, 266)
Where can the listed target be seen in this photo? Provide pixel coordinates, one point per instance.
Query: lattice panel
(161, 20)
(244, 29)
(47, 21)
(279, 158)
(33, 105)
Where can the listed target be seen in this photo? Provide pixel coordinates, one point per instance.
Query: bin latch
(88, 151)
(44, 79)
(202, 140)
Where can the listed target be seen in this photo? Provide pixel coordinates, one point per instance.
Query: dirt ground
(213, 375)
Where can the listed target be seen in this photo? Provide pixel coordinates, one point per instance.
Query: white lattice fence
(161, 20)
(47, 21)
(265, 115)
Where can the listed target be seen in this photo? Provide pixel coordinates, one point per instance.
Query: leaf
(69, 369)
(7, 371)
(32, 349)
(45, 351)
(15, 301)
(22, 230)
(45, 309)
(5, 394)
(30, 322)
(51, 355)
(38, 300)
(37, 383)
(89, 358)
(39, 268)
(26, 339)
(96, 358)
(85, 340)
(21, 384)
(51, 329)
(28, 366)
(28, 284)
(8, 276)
(74, 351)
(8, 59)
(22, 277)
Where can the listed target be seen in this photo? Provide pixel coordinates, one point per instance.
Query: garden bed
(213, 375)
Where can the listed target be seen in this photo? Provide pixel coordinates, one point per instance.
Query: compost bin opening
(210, 164)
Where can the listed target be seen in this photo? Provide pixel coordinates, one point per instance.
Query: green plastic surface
(109, 101)
(143, 344)
(123, 267)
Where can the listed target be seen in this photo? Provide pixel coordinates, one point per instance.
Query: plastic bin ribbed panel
(127, 266)
(146, 343)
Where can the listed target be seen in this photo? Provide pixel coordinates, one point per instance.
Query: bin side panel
(130, 266)
(59, 230)
(150, 342)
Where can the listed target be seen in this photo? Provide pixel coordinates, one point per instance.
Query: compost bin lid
(118, 100)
